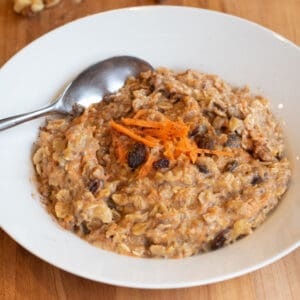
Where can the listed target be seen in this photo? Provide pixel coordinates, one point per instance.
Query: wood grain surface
(23, 276)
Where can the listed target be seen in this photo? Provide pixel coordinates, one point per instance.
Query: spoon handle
(18, 119)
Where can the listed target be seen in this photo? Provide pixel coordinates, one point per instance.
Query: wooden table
(23, 276)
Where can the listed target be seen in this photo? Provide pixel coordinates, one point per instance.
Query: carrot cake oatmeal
(172, 165)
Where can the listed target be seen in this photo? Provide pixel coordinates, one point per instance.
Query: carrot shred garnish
(158, 133)
(147, 166)
(130, 133)
(151, 138)
(121, 149)
(193, 156)
(171, 135)
(140, 113)
(169, 150)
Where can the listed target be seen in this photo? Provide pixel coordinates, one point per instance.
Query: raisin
(137, 156)
(233, 141)
(161, 163)
(176, 97)
(223, 129)
(95, 184)
(151, 88)
(256, 180)
(219, 240)
(203, 169)
(205, 142)
(84, 228)
(110, 203)
(147, 243)
(231, 166)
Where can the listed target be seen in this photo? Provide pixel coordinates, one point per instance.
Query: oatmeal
(172, 165)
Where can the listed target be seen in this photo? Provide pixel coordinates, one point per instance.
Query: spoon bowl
(98, 80)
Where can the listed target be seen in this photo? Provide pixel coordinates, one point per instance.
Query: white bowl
(179, 38)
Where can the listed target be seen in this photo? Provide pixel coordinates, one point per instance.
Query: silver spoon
(88, 87)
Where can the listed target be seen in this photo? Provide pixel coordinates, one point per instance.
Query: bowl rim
(128, 284)
(161, 7)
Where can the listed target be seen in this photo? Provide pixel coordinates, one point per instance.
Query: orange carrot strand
(147, 166)
(128, 132)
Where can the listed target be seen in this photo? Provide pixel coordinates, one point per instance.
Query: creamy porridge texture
(172, 165)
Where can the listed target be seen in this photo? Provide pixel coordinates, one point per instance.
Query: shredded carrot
(169, 150)
(147, 166)
(140, 113)
(158, 133)
(130, 133)
(193, 156)
(166, 126)
(171, 135)
(121, 149)
(151, 138)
